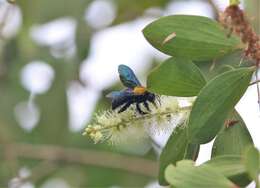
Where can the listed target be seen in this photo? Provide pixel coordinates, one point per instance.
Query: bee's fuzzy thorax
(139, 90)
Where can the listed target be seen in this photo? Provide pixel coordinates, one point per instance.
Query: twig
(11, 159)
(214, 6)
(253, 83)
(8, 155)
(86, 157)
(257, 84)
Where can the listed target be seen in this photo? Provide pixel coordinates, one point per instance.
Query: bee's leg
(154, 103)
(139, 109)
(146, 105)
(124, 107)
(158, 99)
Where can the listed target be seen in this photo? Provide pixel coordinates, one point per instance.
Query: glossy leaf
(229, 165)
(193, 37)
(233, 139)
(176, 149)
(185, 175)
(213, 68)
(252, 163)
(232, 167)
(192, 151)
(215, 101)
(176, 77)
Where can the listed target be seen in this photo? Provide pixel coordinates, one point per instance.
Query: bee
(135, 93)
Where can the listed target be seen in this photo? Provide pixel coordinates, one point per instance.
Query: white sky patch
(13, 22)
(37, 77)
(251, 185)
(201, 8)
(122, 44)
(58, 34)
(27, 114)
(81, 101)
(153, 184)
(54, 32)
(100, 13)
(205, 152)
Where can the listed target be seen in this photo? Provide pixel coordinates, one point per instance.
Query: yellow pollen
(139, 90)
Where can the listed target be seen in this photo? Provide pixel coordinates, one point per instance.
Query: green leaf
(176, 149)
(186, 175)
(192, 37)
(229, 165)
(215, 101)
(213, 68)
(35, 11)
(176, 77)
(232, 167)
(233, 138)
(252, 164)
(83, 36)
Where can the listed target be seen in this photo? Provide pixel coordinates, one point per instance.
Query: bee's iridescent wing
(115, 94)
(119, 97)
(128, 77)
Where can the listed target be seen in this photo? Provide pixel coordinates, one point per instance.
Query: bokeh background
(58, 59)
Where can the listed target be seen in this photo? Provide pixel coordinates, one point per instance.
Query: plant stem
(253, 83)
(257, 84)
(214, 6)
(147, 116)
(85, 156)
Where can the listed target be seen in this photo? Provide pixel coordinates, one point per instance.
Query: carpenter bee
(135, 93)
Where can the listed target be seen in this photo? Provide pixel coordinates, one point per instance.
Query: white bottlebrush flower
(117, 127)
